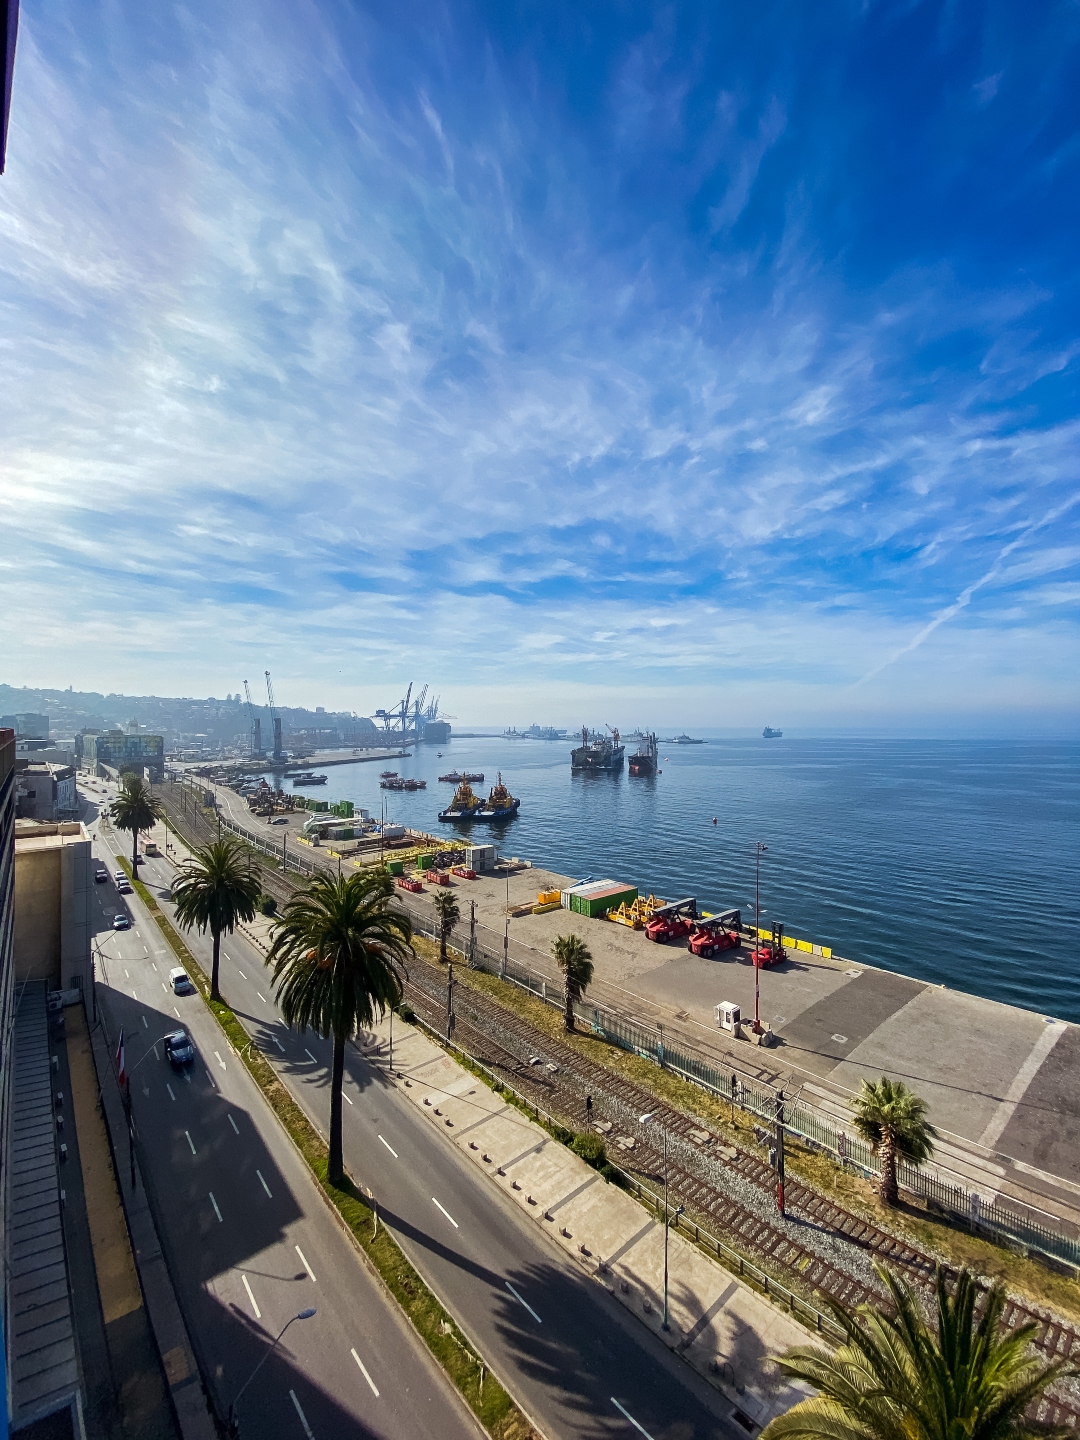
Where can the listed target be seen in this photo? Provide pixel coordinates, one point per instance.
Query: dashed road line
(303, 1417)
(232, 1122)
(363, 1371)
(251, 1297)
(389, 1147)
(522, 1301)
(446, 1213)
(623, 1411)
(262, 997)
(170, 1090)
(310, 1056)
(263, 1183)
(303, 1261)
(217, 1212)
(190, 1141)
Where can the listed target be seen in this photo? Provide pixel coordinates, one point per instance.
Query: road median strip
(483, 1393)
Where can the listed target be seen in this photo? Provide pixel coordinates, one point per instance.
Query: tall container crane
(255, 730)
(279, 753)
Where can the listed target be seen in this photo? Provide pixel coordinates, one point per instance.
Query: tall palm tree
(897, 1377)
(575, 961)
(135, 808)
(217, 888)
(893, 1119)
(335, 958)
(448, 913)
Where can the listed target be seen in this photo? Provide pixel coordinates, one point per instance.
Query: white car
(181, 982)
(121, 922)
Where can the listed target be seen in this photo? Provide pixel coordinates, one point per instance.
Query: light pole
(302, 1315)
(645, 1120)
(758, 850)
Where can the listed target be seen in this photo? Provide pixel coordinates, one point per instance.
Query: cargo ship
(465, 804)
(597, 753)
(770, 734)
(500, 804)
(535, 732)
(643, 760)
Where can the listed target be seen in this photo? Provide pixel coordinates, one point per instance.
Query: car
(181, 982)
(179, 1049)
(123, 887)
(100, 876)
(118, 876)
(121, 922)
(279, 820)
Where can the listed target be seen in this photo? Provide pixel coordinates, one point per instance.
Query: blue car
(179, 1049)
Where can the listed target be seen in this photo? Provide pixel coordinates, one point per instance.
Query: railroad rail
(508, 1045)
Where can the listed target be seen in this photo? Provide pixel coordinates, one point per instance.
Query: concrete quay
(1001, 1083)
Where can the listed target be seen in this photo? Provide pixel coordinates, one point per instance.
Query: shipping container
(395, 867)
(480, 858)
(425, 862)
(597, 903)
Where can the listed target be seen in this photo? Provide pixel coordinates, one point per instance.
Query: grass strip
(482, 1392)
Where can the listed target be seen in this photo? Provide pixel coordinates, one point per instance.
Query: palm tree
(335, 958)
(217, 888)
(893, 1120)
(449, 913)
(897, 1377)
(135, 808)
(574, 960)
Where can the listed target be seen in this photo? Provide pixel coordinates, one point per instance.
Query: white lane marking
(623, 1410)
(345, 1097)
(251, 1297)
(446, 1213)
(524, 1302)
(152, 965)
(169, 1088)
(232, 1122)
(190, 1141)
(145, 1025)
(164, 987)
(363, 1371)
(226, 957)
(176, 1012)
(303, 1417)
(156, 1055)
(262, 997)
(303, 1261)
(278, 1043)
(146, 952)
(127, 974)
(210, 1078)
(263, 1183)
(219, 1060)
(217, 1212)
(241, 974)
(310, 1056)
(389, 1147)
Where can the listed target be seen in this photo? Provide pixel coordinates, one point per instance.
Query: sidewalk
(722, 1328)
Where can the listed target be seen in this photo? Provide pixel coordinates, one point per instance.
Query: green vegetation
(574, 960)
(895, 1377)
(136, 808)
(335, 957)
(216, 890)
(266, 904)
(447, 914)
(893, 1120)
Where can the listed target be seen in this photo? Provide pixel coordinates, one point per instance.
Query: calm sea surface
(952, 861)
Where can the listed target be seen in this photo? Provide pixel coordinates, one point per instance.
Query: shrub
(266, 905)
(591, 1149)
(406, 1012)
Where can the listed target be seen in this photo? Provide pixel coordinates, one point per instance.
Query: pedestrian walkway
(725, 1330)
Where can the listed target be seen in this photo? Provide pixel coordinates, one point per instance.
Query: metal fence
(1002, 1219)
(1005, 1220)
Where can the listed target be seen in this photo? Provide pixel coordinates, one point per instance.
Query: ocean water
(954, 861)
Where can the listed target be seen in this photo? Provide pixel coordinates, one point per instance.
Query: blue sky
(706, 364)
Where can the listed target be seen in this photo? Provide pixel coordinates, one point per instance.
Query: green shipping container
(597, 905)
(395, 867)
(425, 862)
(345, 809)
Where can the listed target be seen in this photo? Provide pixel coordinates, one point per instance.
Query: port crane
(403, 723)
(275, 719)
(255, 731)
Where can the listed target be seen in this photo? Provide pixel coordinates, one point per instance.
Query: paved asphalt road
(584, 1369)
(250, 1240)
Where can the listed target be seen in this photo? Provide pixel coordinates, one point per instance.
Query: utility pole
(780, 1126)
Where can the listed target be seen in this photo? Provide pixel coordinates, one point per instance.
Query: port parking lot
(997, 1078)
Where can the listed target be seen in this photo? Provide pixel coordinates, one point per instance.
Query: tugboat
(643, 760)
(597, 753)
(500, 804)
(465, 804)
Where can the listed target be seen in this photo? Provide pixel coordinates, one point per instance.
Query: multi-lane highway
(572, 1357)
(250, 1241)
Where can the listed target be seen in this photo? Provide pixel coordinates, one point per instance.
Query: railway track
(798, 1246)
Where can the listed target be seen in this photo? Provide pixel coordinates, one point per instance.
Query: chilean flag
(121, 1073)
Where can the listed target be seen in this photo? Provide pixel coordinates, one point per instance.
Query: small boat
(395, 782)
(309, 778)
(465, 804)
(500, 804)
(455, 777)
(387, 774)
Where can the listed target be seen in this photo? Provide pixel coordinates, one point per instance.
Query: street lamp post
(645, 1120)
(758, 849)
(302, 1315)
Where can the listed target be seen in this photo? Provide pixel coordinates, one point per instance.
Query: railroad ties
(480, 1021)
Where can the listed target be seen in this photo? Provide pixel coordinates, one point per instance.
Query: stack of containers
(596, 897)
